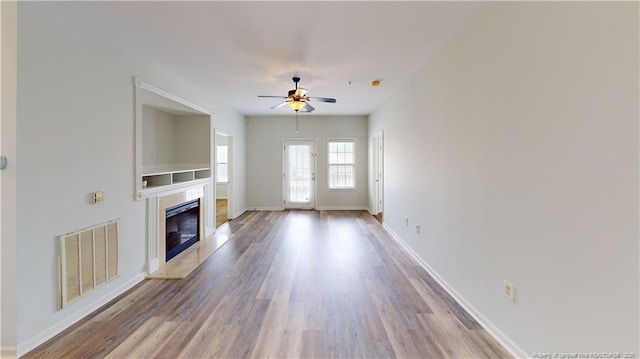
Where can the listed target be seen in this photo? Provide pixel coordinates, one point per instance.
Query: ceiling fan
(298, 100)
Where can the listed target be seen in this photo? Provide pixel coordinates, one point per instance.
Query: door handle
(313, 176)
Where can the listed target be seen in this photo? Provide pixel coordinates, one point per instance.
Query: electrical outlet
(406, 221)
(509, 291)
(418, 228)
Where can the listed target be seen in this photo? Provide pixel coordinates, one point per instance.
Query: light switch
(98, 197)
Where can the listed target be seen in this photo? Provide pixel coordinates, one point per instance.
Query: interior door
(299, 174)
(378, 173)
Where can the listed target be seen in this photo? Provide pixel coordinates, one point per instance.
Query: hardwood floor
(379, 217)
(328, 284)
(221, 212)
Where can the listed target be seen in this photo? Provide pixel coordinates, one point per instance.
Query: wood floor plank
(214, 332)
(400, 339)
(343, 328)
(287, 284)
(221, 211)
(314, 313)
(145, 344)
(313, 344)
(291, 342)
(268, 341)
(244, 342)
(455, 307)
(212, 345)
(425, 344)
(487, 345)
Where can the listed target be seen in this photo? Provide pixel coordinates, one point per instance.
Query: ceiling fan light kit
(298, 100)
(296, 105)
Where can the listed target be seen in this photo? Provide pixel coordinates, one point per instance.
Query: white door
(299, 174)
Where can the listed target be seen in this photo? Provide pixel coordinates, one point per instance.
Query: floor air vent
(88, 259)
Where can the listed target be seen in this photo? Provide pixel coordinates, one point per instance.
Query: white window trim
(355, 164)
(222, 163)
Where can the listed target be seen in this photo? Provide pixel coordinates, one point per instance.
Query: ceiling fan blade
(272, 96)
(279, 105)
(324, 99)
(307, 108)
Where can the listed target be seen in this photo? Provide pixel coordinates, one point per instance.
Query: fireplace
(182, 227)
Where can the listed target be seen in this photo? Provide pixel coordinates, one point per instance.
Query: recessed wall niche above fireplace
(173, 142)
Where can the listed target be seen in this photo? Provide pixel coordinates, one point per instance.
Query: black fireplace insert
(183, 227)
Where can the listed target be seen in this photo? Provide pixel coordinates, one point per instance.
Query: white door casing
(378, 172)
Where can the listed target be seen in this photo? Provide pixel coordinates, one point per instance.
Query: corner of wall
(502, 338)
(238, 213)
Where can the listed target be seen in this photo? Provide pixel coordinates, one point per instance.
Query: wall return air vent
(88, 259)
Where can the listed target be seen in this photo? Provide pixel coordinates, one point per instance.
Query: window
(342, 164)
(222, 164)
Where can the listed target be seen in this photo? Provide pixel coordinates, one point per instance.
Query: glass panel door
(299, 174)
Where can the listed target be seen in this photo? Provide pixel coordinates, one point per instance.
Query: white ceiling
(238, 50)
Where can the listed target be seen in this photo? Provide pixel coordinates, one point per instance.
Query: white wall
(516, 149)
(76, 135)
(8, 320)
(157, 136)
(265, 136)
(172, 139)
(192, 136)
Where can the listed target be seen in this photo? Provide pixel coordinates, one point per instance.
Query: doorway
(377, 161)
(299, 174)
(224, 176)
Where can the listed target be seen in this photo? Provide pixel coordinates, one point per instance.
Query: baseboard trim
(503, 339)
(209, 231)
(238, 214)
(8, 353)
(264, 209)
(34, 342)
(318, 208)
(341, 208)
(153, 265)
(222, 198)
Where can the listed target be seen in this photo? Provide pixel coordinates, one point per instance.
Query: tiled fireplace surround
(156, 217)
